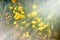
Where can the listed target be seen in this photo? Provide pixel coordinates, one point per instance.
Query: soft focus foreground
(29, 20)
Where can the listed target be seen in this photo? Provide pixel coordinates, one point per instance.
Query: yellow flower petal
(15, 8)
(22, 16)
(20, 8)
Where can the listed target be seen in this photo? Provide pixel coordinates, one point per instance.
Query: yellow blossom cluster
(32, 14)
(43, 26)
(13, 1)
(37, 22)
(17, 12)
(26, 34)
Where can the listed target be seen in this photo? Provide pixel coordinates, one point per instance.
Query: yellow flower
(33, 26)
(22, 16)
(34, 6)
(33, 22)
(20, 8)
(34, 13)
(17, 15)
(41, 24)
(14, 22)
(24, 22)
(46, 25)
(13, 1)
(21, 28)
(14, 11)
(22, 12)
(11, 7)
(15, 8)
(38, 19)
(41, 28)
(27, 34)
